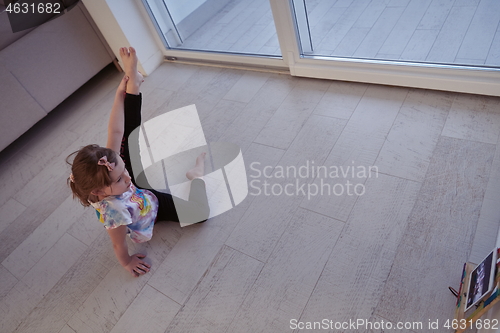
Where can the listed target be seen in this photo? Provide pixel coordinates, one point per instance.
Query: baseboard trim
(464, 79)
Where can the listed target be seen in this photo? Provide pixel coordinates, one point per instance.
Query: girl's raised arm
(117, 118)
(131, 85)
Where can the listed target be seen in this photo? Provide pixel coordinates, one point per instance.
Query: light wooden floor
(389, 254)
(463, 32)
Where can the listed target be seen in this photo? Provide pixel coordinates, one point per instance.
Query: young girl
(103, 178)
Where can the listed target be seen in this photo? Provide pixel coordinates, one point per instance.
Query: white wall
(125, 23)
(179, 10)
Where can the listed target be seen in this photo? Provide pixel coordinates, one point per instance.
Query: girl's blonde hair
(87, 175)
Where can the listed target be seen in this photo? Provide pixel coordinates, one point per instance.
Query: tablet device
(481, 280)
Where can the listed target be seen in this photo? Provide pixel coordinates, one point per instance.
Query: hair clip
(104, 161)
(71, 177)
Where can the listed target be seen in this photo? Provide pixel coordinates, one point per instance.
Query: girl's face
(121, 181)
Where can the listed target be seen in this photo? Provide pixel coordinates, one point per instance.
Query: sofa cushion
(19, 111)
(6, 35)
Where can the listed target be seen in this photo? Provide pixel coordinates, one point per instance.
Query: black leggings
(192, 211)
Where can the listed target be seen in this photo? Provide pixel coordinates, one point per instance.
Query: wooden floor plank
(55, 172)
(436, 15)
(86, 228)
(286, 122)
(373, 42)
(494, 54)
(398, 3)
(351, 42)
(403, 155)
(419, 45)
(465, 3)
(259, 110)
(438, 237)
(312, 145)
(317, 12)
(341, 99)
(41, 208)
(63, 301)
(48, 233)
(260, 41)
(223, 115)
(343, 3)
(474, 118)
(405, 27)
(245, 23)
(485, 237)
(215, 301)
(8, 281)
(354, 276)
(450, 37)
(9, 212)
(16, 305)
(169, 76)
(54, 264)
(357, 147)
(243, 44)
(118, 289)
(231, 32)
(180, 272)
(247, 87)
(278, 196)
(345, 24)
(264, 221)
(15, 174)
(235, 9)
(96, 117)
(479, 37)
(66, 329)
(150, 312)
(281, 291)
(325, 28)
(371, 14)
(204, 88)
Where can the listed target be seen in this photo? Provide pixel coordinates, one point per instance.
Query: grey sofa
(41, 67)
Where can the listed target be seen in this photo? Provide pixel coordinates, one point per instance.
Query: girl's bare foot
(129, 60)
(199, 168)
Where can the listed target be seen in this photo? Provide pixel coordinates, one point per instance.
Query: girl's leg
(194, 210)
(132, 105)
(132, 109)
(170, 208)
(175, 209)
(129, 60)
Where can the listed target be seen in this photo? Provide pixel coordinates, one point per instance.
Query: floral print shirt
(135, 208)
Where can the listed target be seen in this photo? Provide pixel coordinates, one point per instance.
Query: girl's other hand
(123, 86)
(137, 266)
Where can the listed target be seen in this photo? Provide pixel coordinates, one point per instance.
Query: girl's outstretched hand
(137, 266)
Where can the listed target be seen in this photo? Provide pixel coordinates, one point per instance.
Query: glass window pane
(233, 26)
(459, 32)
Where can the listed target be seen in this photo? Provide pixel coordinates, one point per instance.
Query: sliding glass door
(437, 44)
(225, 26)
(451, 32)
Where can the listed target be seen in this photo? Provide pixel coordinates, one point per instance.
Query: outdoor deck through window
(459, 32)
